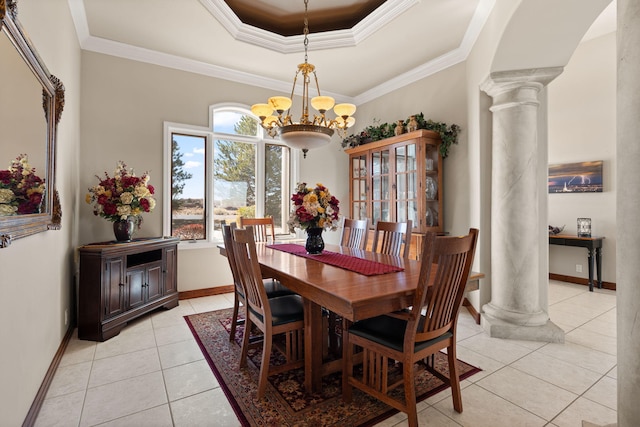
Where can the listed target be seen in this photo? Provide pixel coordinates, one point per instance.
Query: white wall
(582, 127)
(36, 272)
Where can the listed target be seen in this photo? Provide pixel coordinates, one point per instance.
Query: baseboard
(197, 293)
(472, 311)
(30, 419)
(580, 281)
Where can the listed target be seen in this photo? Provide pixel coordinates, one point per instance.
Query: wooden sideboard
(122, 281)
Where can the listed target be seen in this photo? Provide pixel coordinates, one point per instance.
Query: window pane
(386, 215)
(400, 159)
(377, 169)
(188, 187)
(277, 192)
(401, 215)
(234, 181)
(234, 122)
(411, 157)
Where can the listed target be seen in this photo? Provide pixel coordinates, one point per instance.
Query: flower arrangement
(122, 196)
(21, 190)
(314, 208)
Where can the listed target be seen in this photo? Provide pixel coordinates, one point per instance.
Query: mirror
(31, 102)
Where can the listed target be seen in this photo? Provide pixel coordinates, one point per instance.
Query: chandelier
(308, 132)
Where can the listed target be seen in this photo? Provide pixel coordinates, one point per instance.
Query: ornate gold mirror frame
(15, 225)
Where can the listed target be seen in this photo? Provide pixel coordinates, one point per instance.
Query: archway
(537, 42)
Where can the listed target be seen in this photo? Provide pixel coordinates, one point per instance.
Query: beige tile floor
(153, 373)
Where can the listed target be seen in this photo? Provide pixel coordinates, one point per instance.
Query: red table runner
(348, 262)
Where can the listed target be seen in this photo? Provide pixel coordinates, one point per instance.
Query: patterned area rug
(286, 403)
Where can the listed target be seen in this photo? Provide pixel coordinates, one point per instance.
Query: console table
(593, 245)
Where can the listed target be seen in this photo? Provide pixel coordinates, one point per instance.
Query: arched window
(222, 172)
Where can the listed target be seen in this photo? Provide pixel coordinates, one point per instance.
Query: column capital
(503, 82)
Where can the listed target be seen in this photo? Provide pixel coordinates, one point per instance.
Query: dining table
(352, 283)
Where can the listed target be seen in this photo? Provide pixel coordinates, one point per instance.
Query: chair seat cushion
(389, 332)
(276, 289)
(273, 289)
(285, 309)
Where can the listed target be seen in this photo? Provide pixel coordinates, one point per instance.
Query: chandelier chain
(306, 30)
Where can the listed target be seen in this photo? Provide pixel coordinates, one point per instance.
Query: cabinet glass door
(359, 175)
(432, 192)
(406, 184)
(380, 194)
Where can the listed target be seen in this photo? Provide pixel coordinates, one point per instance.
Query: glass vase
(315, 244)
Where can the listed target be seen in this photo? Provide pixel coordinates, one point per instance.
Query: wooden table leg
(312, 346)
(599, 266)
(590, 259)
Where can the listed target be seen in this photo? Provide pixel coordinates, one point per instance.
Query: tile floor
(153, 373)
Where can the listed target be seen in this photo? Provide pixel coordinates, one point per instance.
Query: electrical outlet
(578, 268)
(66, 317)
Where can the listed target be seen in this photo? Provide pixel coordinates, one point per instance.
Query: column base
(496, 328)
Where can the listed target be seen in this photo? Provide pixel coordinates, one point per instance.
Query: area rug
(286, 403)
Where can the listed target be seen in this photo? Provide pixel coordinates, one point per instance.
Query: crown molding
(109, 47)
(438, 64)
(134, 53)
(384, 14)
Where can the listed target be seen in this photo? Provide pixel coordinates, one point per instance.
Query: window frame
(260, 141)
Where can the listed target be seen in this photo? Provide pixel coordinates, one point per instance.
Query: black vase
(314, 244)
(123, 229)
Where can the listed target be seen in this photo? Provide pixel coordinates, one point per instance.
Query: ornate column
(516, 208)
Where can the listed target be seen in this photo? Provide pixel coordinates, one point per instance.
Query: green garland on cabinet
(448, 134)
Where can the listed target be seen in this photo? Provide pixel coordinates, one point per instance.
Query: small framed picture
(584, 227)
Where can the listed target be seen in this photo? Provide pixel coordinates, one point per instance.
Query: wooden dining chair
(262, 228)
(392, 238)
(412, 335)
(355, 233)
(273, 316)
(272, 287)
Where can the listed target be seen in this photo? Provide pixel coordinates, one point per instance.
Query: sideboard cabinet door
(114, 279)
(135, 287)
(171, 270)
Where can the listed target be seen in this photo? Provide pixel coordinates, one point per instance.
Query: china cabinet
(122, 281)
(397, 179)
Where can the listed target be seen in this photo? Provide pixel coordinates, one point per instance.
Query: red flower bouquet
(122, 196)
(314, 208)
(21, 190)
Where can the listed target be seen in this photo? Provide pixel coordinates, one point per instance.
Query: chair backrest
(444, 272)
(262, 227)
(227, 236)
(355, 233)
(249, 273)
(389, 237)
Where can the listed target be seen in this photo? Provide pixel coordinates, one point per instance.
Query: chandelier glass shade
(307, 131)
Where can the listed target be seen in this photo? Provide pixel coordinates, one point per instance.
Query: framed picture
(584, 177)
